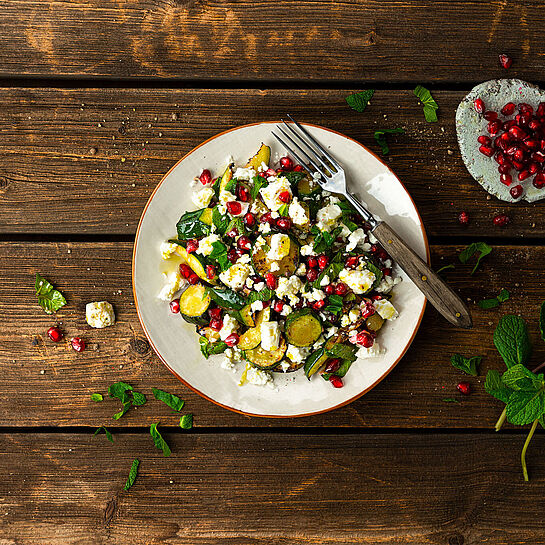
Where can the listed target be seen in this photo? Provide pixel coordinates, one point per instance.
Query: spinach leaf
(208, 349)
(138, 399)
(190, 226)
(132, 474)
(512, 340)
(174, 402)
(226, 298)
(160, 443)
(49, 298)
(467, 365)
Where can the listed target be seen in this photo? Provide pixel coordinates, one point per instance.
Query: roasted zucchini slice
(252, 337)
(263, 155)
(226, 177)
(318, 358)
(196, 263)
(246, 315)
(206, 216)
(194, 301)
(307, 187)
(288, 265)
(303, 327)
(266, 359)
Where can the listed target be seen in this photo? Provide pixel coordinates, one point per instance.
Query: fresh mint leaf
(284, 210)
(542, 321)
(119, 390)
(445, 268)
(331, 271)
(123, 411)
(494, 386)
(220, 221)
(160, 443)
(380, 138)
(519, 377)
(376, 271)
(467, 365)
(524, 407)
(429, 105)
(186, 422)
(230, 185)
(343, 351)
(49, 298)
(109, 436)
(138, 399)
(258, 183)
(480, 248)
(226, 298)
(265, 294)
(450, 400)
(495, 301)
(219, 254)
(96, 397)
(208, 349)
(348, 222)
(174, 402)
(294, 177)
(335, 304)
(324, 240)
(190, 226)
(512, 340)
(132, 474)
(359, 101)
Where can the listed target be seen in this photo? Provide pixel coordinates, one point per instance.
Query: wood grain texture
(86, 161)
(50, 384)
(319, 40)
(271, 489)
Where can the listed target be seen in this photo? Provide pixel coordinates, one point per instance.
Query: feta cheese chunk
(280, 247)
(205, 244)
(372, 352)
(236, 275)
(307, 249)
(386, 310)
(358, 281)
(355, 238)
(327, 217)
(202, 198)
(259, 377)
(271, 192)
(297, 354)
(270, 335)
(100, 314)
(245, 173)
(230, 325)
(167, 249)
(173, 283)
(297, 212)
(387, 283)
(290, 288)
(256, 306)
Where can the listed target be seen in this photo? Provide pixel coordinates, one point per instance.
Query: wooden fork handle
(437, 292)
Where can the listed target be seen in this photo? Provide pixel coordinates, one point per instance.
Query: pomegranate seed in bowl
(487, 150)
(490, 115)
(478, 104)
(485, 140)
(333, 365)
(312, 275)
(508, 109)
(516, 191)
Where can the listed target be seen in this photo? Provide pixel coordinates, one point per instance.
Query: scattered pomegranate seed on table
(175, 306)
(500, 220)
(464, 387)
(78, 344)
(505, 60)
(463, 218)
(55, 334)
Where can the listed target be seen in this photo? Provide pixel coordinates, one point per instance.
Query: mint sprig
(219, 253)
(109, 436)
(49, 298)
(512, 340)
(467, 365)
(380, 138)
(480, 248)
(429, 105)
(359, 101)
(495, 301)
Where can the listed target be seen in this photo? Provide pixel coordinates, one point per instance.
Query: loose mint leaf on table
(467, 365)
(174, 402)
(380, 138)
(542, 321)
(481, 248)
(49, 298)
(123, 411)
(445, 268)
(138, 398)
(494, 386)
(186, 422)
(96, 397)
(160, 443)
(132, 474)
(450, 400)
(109, 436)
(495, 301)
(359, 101)
(119, 389)
(429, 104)
(512, 340)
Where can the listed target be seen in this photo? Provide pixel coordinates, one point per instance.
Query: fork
(311, 155)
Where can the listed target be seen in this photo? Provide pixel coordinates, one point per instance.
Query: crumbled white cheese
(167, 249)
(290, 288)
(307, 249)
(271, 192)
(100, 314)
(385, 309)
(325, 280)
(319, 342)
(258, 208)
(355, 238)
(286, 310)
(297, 213)
(249, 282)
(235, 276)
(345, 320)
(259, 241)
(202, 198)
(173, 283)
(259, 286)
(301, 270)
(354, 314)
(314, 295)
(264, 228)
(230, 325)
(226, 196)
(285, 366)
(270, 335)
(280, 247)
(371, 352)
(205, 244)
(256, 305)
(245, 173)
(259, 377)
(331, 331)
(387, 283)
(327, 217)
(358, 281)
(244, 259)
(275, 266)
(297, 354)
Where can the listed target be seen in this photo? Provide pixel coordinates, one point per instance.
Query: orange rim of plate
(338, 406)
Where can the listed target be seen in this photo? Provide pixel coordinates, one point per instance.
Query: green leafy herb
(324, 240)
(219, 254)
(495, 301)
(343, 351)
(331, 271)
(495, 387)
(190, 226)
(160, 443)
(119, 390)
(258, 183)
(123, 411)
(96, 397)
(231, 184)
(186, 422)
(359, 101)
(467, 365)
(124, 392)
(450, 400)
(220, 221)
(512, 340)
(335, 304)
(208, 349)
(132, 474)
(138, 399)
(446, 267)
(226, 298)
(348, 222)
(542, 321)
(49, 298)
(480, 248)
(265, 294)
(174, 402)
(380, 138)
(376, 271)
(109, 436)
(294, 177)
(284, 210)
(430, 106)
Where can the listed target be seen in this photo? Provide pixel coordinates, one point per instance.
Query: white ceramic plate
(176, 342)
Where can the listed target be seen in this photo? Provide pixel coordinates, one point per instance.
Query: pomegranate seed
(244, 243)
(232, 233)
(175, 306)
(533, 168)
(478, 104)
(464, 387)
(210, 271)
(298, 168)
(523, 119)
(193, 279)
(531, 143)
(516, 191)
(505, 168)
(332, 365)
(538, 156)
(505, 60)
(490, 115)
(382, 255)
(341, 288)
(329, 289)
(284, 196)
(232, 340)
(232, 255)
(242, 193)
(485, 140)
(387, 271)
(270, 172)
(191, 246)
(500, 158)
(500, 220)
(185, 270)
(517, 133)
(534, 125)
(506, 179)
(508, 109)
(518, 166)
(494, 127)
(215, 324)
(55, 334)
(336, 381)
(486, 150)
(249, 220)
(523, 175)
(539, 181)
(286, 163)
(215, 312)
(507, 125)
(511, 150)
(352, 261)
(234, 208)
(205, 177)
(365, 339)
(271, 281)
(267, 218)
(463, 218)
(78, 344)
(312, 262)
(319, 305)
(524, 108)
(278, 306)
(284, 224)
(323, 260)
(312, 275)
(367, 310)
(518, 155)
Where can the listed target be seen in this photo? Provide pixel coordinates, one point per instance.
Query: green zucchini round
(303, 327)
(304, 187)
(194, 302)
(266, 359)
(287, 265)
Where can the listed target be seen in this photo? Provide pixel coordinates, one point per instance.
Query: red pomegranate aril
(508, 109)
(243, 193)
(298, 168)
(215, 324)
(341, 288)
(486, 150)
(463, 217)
(352, 261)
(270, 172)
(485, 140)
(523, 175)
(365, 339)
(489, 115)
(232, 340)
(271, 281)
(534, 125)
(511, 150)
(312, 275)
(249, 220)
(517, 133)
(478, 104)
(284, 196)
(518, 155)
(505, 60)
(185, 270)
(506, 179)
(500, 220)
(323, 260)
(516, 191)
(336, 382)
(55, 334)
(319, 305)
(278, 306)
(175, 306)
(518, 166)
(505, 168)
(507, 125)
(523, 119)
(284, 224)
(524, 107)
(531, 143)
(499, 158)
(192, 246)
(210, 271)
(234, 208)
(312, 262)
(494, 127)
(244, 243)
(367, 310)
(329, 289)
(232, 255)
(539, 181)
(215, 312)
(533, 168)
(540, 111)
(78, 344)
(332, 365)
(267, 218)
(382, 255)
(205, 177)
(233, 233)
(464, 387)
(538, 156)
(193, 279)
(286, 163)
(387, 271)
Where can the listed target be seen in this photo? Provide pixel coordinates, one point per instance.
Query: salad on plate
(277, 274)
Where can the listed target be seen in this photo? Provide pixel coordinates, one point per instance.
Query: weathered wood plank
(49, 384)
(274, 489)
(241, 41)
(66, 156)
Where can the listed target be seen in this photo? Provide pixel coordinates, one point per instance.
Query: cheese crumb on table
(100, 314)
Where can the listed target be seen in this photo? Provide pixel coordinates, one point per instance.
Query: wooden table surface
(99, 99)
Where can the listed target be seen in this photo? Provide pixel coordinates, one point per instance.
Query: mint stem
(525, 448)
(501, 419)
(539, 367)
